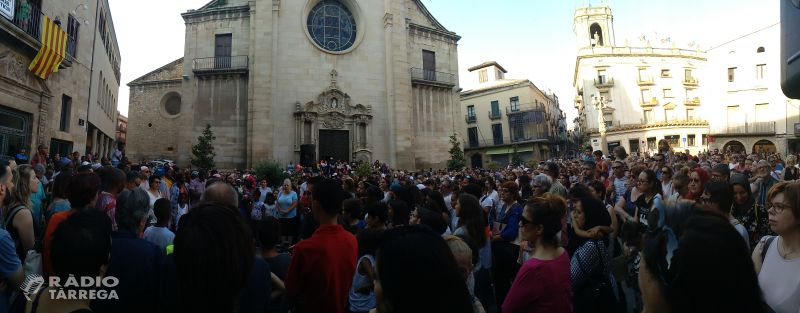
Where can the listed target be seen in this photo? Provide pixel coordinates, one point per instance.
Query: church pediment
(170, 71)
(425, 17)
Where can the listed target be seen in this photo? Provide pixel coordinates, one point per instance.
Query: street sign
(7, 8)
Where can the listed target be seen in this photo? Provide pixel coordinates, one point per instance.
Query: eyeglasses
(778, 207)
(694, 180)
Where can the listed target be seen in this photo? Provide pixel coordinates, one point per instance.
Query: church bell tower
(594, 26)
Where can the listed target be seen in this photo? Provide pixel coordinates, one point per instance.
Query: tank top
(781, 291)
(362, 302)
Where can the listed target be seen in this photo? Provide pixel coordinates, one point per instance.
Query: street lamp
(82, 7)
(601, 103)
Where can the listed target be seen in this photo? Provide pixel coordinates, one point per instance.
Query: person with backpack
(777, 259)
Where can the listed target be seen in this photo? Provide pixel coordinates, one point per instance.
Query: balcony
(432, 78)
(494, 115)
(692, 101)
(649, 103)
(646, 81)
(470, 118)
(505, 141)
(603, 82)
(690, 82)
(28, 21)
(524, 107)
(746, 128)
(238, 64)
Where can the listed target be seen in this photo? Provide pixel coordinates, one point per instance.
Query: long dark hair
(470, 216)
(416, 263)
(652, 179)
(710, 254)
(212, 236)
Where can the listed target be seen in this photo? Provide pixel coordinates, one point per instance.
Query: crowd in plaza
(667, 232)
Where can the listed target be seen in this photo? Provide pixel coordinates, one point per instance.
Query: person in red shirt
(323, 266)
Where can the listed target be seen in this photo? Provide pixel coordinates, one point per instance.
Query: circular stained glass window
(173, 104)
(332, 26)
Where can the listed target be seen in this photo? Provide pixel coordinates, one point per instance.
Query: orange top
(55, 220)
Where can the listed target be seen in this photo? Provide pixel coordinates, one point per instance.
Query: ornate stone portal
(333, 111)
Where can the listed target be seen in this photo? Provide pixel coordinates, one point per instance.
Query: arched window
(760, 50)
(596, 35)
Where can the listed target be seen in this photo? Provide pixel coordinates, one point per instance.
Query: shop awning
(508, 150)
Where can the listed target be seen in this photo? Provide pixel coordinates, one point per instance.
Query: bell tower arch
(594, 27)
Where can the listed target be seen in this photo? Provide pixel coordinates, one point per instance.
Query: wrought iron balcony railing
(226, 64)
(434, 78)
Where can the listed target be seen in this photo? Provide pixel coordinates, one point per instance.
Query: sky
(532, 39)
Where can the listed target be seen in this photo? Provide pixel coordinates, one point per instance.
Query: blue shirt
(136, 263)
(9, 264)
(285, 202)
(36, 208)
(159, 236)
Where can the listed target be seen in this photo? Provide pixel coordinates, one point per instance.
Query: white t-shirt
(781, 291)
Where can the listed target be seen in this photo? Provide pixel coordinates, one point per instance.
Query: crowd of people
(668, 232)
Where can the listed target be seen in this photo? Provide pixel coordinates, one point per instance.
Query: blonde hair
(460, 249)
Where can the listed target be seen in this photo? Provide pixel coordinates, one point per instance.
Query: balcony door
(222, 51)
(429, 65)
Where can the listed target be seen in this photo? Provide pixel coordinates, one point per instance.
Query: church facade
(289, 80)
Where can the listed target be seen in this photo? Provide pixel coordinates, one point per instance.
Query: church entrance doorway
(334, 144)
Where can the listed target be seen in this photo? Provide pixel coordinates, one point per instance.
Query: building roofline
(487, 64)
(140, 80)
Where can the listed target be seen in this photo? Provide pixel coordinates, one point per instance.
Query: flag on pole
(54, 47)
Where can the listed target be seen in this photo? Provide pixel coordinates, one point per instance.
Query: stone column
(94, 141)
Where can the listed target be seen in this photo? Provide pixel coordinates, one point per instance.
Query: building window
(608, 118)
(66, 108)
(651, 143)
(665, 73)
(429, 65)
(669, 115)
(601, 77)
(691, 115)
(649, 117)
(762, 112)
(483, 76)
(668, 93)
(673, 140)
(514, 104)
(731, 74)
(760, 50)
(332, 26)
(690, 140)
(171, 104)
(687, 73)
(497, 133)
(472, 133)
(705, 140)
(222, 50)
(761, 71)
(498, 74)
(605, 96)
(643, 74)
(72, 35)
(471, 111)
(495, 108)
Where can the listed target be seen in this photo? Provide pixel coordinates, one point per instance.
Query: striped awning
(53, 51)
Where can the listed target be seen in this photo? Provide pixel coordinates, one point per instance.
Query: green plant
(203, 151)
(493, 165)
(272, 171)
(516, 159)
(363, 170)
(457, 160)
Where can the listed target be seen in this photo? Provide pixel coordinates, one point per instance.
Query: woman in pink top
(543, 282)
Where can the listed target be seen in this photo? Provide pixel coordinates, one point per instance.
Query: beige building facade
(634, 95)
(503, 113)
(311, 79)
(751, 115)
(74, 109)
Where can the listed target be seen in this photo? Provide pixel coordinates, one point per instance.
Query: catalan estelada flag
(54, 48)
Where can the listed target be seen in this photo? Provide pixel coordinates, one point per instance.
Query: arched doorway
(477, 160)
(734, 146)
(764, 146)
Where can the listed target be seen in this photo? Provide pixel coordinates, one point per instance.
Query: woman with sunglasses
(650, 188)
(543, 282)
(697, 183)
(667, 188)
(708, 272)
(777, 259)
(505, 245)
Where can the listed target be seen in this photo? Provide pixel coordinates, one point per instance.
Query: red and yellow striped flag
(54, 48)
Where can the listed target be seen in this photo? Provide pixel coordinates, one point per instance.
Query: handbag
(597, 295)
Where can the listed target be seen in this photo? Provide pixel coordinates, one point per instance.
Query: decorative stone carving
(363, 156)
(333, 121)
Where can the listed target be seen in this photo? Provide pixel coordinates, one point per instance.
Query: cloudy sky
(532, 39)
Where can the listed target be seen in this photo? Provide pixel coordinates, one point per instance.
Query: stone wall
(151, 134)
